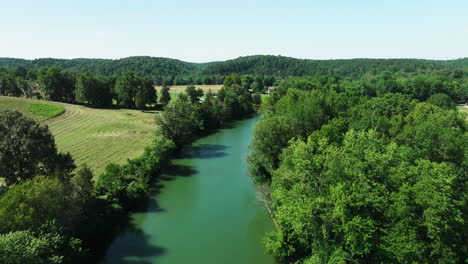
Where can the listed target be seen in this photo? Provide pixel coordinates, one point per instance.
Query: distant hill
(286, 66)
(179, 71)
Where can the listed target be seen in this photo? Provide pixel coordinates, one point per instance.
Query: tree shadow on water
(133, 246)
(204, 151)
(131, 243)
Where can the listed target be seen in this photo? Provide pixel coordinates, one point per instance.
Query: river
(207, 210)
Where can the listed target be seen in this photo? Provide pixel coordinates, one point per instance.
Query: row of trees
(419, 85)
(359, 179)
(128, 90)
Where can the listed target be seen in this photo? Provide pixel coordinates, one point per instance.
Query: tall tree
(180, 121)
(56, 84)
(165, 96)
(148, 91)
(194, 94)
(126, 87)
(27, 149)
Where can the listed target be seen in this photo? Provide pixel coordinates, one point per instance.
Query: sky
(207, 30)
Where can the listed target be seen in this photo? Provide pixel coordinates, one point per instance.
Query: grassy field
(177, 89)
(34, 109)
(93, 136)
(46, 110)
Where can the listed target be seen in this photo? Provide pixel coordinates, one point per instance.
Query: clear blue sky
(207, 30)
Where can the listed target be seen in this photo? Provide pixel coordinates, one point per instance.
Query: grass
(173, 95)
(178, 89)
(95, 137)
(21, 105)
(46, 110)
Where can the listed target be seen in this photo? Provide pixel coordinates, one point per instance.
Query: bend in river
(207, 211)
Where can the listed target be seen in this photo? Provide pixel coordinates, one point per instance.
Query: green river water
(207, 210)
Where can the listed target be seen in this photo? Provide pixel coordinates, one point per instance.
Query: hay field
(93, 136)
(177, 89)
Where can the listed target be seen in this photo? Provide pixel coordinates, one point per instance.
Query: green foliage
(441, 100)
(140, 100)
(148, 92)
(165, 96)
(212, 112)
(384, 114)
(126, 87)
(8, 85)
(56, 84)
(31, 203)
(435, 134)
(47, 110)
(170, 71)
(125, 186)
(378, 180)
(295, 115)
(194, 94)
(231, 80)
(367, 200)
(27, 149)
(181, 121)
(93, 90)
(47, 245)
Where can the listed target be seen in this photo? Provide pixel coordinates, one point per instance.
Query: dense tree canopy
(362, 180)
(174, 72)
(93, 90)
(56, 84)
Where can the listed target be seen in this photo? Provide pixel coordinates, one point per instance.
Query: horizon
(242, 56)
(209, 30)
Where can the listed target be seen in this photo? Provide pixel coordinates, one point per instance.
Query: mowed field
(178, 89)
(93, 136)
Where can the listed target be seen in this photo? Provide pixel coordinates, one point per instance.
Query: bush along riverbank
(68, 218)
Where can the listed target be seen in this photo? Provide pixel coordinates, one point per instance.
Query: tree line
(52, 212)
(131, 90)
(368, 171)
(128, 89)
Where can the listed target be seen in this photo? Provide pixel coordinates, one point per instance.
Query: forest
(370, 171)
(165, 71)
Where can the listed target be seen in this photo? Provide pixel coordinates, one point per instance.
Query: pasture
(94, 137)
(178, 89)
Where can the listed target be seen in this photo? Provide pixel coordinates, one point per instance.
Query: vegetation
(354, 178)
(186, 118)
(164, 71)
(165, 96)
(178, 89)
(46, 110)
(27, 149)
(39, 205)
(361, 161)
(95, 137)
(42, 191)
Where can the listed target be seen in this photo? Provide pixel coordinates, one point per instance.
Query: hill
(172, 71)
